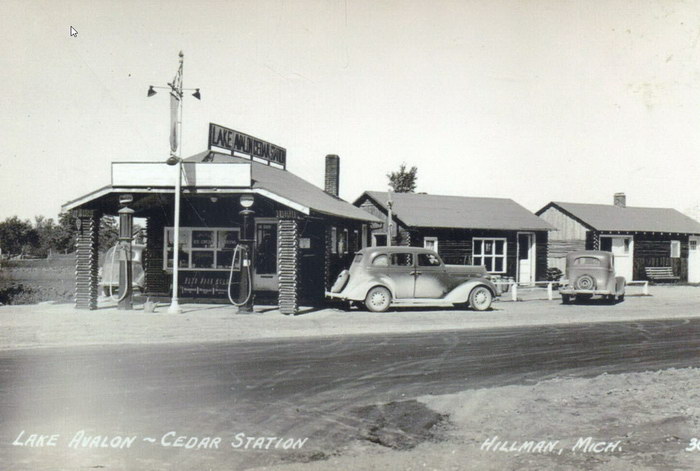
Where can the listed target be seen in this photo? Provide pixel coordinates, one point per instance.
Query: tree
(66, 231)
(17, 236)
(403, 181)
(46, 231)
(109, 233)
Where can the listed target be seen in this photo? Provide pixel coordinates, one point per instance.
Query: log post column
(327, 249)
(288, 261)
(88, 223)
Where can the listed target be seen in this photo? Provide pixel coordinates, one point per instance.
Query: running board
(413, 302)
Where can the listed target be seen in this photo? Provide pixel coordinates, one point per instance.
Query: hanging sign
(235, 141)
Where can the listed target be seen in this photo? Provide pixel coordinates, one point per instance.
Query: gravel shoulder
(640, 421)
(60, 325)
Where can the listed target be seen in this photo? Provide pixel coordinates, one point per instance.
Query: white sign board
(194, 174)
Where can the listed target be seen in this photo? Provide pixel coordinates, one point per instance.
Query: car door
(431, 279)
(401, 271)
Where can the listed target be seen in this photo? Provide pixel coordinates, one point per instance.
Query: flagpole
(174, 304)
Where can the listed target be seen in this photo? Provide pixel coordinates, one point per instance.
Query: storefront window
(490, 252)
(202, 248)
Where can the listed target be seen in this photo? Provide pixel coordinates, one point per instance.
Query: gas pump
(126, 223)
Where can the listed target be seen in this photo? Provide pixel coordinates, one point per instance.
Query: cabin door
(265, 277)
(694, 259)
(622, 248)
(526, 257)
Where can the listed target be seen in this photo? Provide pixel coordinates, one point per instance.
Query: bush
(554, 274)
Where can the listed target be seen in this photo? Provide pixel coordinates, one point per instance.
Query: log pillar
(327, 251)
(88, 223)
(288, 263)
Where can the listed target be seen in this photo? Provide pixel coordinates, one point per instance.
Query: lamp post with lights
(248, 241)
(176, 93)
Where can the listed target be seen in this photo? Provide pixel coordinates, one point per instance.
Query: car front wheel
(480, 298)
(378, 299)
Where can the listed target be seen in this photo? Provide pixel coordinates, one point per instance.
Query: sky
(534, 100)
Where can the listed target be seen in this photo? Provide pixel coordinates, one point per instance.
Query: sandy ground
(49, 325)
(635, 421)
(647, 421)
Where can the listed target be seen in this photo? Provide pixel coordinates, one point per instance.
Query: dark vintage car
(381, 277)
(591, 273)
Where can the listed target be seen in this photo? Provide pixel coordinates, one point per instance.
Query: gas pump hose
(239, 250)
(111, 284)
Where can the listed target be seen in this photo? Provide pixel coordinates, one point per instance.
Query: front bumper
(335, 295)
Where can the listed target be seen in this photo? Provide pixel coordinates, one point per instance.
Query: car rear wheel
(378, 299)
(480, 298)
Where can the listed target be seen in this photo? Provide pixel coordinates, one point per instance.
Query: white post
(174, 305)
(514, 292)
(389, 220)
(645, 289)
(549, 292)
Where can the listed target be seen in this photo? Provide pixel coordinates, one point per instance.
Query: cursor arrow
(73, 32)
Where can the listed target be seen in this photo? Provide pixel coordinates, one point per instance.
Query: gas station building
(301, 236)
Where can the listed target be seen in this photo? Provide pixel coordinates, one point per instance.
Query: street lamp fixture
(175, 159)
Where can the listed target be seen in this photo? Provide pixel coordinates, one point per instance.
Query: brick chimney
(620, 200)
(332, 185)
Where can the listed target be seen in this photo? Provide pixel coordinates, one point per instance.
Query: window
(675, 249)
(619, 245)
(381, 260)
(589, 261)
(358, 258)
(428, 260)
(402, 259)
(201, 248)
(378, 240)
(343, 242)
(491, 253)
(430, 243)
(334, 240)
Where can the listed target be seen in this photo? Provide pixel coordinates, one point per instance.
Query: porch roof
(281, 182)
(275, 183)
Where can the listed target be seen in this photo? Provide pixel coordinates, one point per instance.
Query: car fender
(620, 283)
(359, 291)
(460, 294)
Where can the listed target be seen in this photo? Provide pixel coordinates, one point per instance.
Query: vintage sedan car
(109, 272)
(591, 273)
(381, 277)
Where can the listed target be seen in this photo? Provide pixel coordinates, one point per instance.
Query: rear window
(588, 261)
(381, 260)
(358, 258)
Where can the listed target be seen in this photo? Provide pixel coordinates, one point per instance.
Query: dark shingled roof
(290, 187)
(459, 212)
(606, 217)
